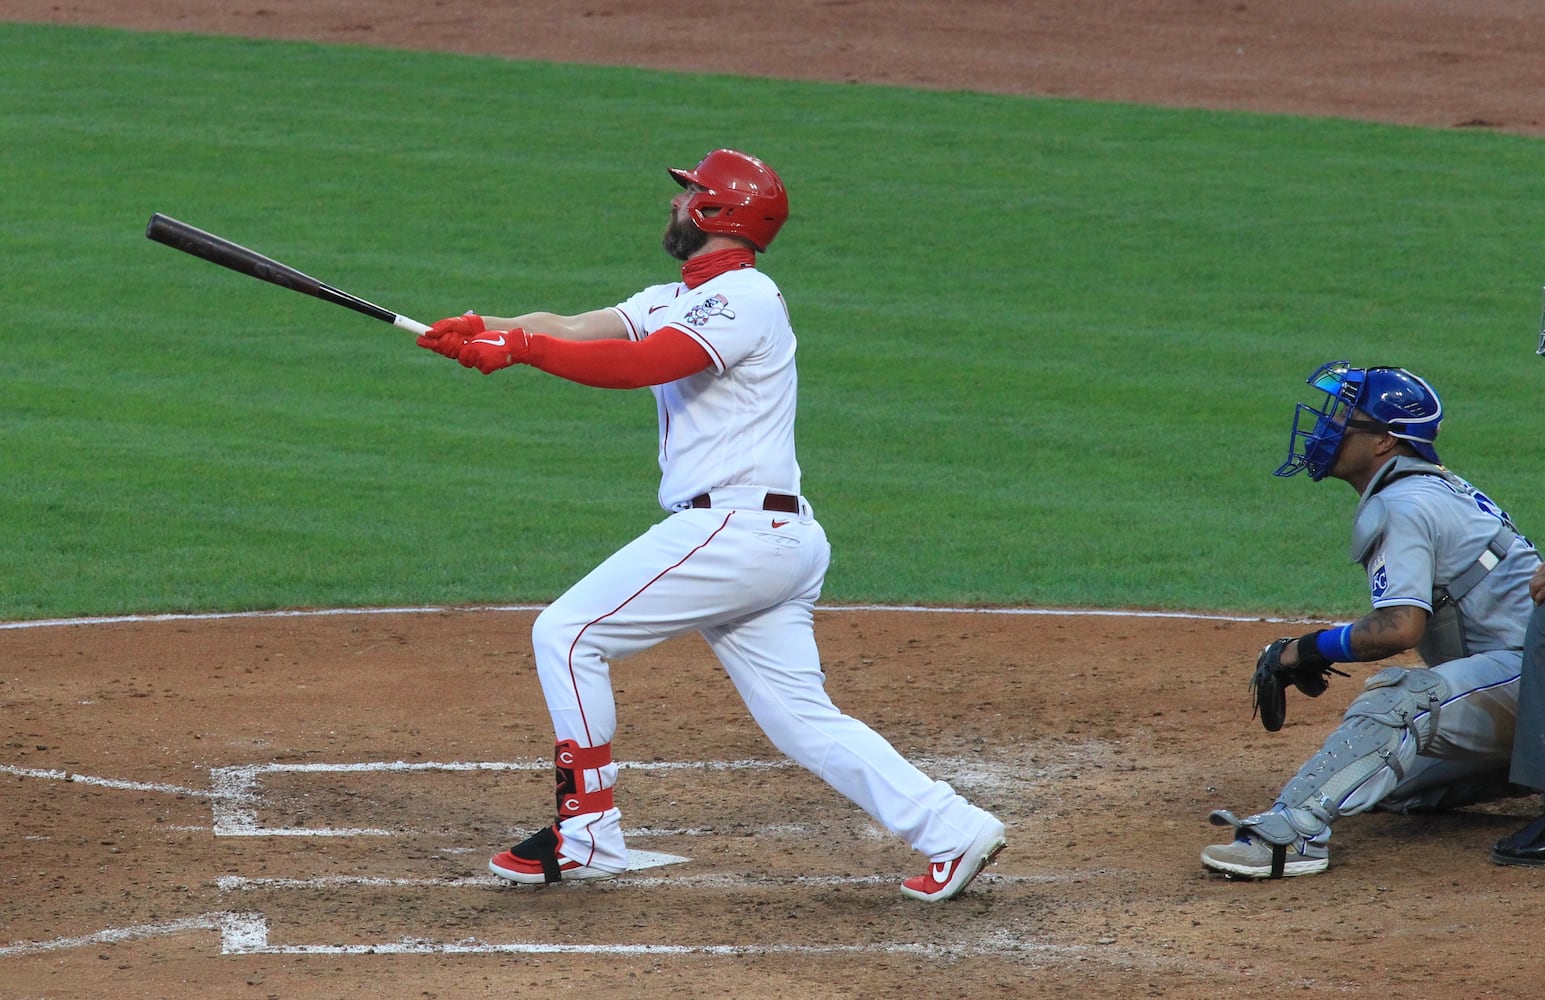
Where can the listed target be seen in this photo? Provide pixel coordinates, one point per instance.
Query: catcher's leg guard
(1385, 727)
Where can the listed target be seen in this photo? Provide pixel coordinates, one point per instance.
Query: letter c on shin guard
(570, 761)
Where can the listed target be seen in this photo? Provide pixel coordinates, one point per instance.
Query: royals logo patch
(714, 305)
(1378, 579)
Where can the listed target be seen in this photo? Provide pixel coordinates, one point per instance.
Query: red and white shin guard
(573, 763)
(585, 842)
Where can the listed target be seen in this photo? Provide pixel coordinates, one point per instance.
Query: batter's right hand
(448, 335)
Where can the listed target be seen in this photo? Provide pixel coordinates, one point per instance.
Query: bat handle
(413, 326)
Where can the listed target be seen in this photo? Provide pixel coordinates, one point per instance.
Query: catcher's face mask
(1317, 431)
(1399, 403)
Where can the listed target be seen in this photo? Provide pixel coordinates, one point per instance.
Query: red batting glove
(495, 349)
(447, 336)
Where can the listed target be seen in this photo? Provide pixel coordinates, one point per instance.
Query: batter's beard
(682, 239)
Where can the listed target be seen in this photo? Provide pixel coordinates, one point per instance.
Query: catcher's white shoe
(1251, 857)
(946, 879)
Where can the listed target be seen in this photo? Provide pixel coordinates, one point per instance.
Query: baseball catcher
(1448, 576)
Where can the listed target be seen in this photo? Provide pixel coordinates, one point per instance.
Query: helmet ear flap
(1407, 405)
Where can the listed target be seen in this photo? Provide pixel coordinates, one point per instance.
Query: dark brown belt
(780, 502)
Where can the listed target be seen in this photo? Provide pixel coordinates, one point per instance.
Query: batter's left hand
(448, 335)
(495, 349)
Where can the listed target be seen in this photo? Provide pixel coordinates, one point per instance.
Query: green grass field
(1050, 349)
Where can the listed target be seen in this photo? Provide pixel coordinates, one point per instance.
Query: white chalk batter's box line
(235, 796)
(742, 883)
(245, 933)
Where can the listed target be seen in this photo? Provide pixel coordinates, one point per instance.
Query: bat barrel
(218, 250)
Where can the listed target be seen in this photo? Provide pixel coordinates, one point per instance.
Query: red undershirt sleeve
(664, 356)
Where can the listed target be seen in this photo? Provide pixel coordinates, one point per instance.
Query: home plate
(639, 860)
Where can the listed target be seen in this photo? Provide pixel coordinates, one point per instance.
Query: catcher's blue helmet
(1398, 402)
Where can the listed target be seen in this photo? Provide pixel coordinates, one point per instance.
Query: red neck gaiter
(710, 265)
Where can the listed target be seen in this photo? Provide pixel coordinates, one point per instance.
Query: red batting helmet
(751, 200)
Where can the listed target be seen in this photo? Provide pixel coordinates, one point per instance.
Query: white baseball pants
(748, 581)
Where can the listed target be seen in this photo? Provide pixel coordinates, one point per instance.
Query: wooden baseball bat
(217, 250)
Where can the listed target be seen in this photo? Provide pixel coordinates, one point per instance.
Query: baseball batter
(1448, 574)
(741, 557)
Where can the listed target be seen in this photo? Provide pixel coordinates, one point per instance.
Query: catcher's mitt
(1311, 675)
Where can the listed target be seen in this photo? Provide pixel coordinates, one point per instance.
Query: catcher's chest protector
(1444, 638)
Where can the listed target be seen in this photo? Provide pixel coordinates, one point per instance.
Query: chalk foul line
(247, 933)
(505, 608)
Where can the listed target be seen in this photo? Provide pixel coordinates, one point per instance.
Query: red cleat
(536, 862)
(946, 879)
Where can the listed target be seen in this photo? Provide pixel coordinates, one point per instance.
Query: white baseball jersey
(731, 424)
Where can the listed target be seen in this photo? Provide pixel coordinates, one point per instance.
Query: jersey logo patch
(1378, 579)
(714, 305)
